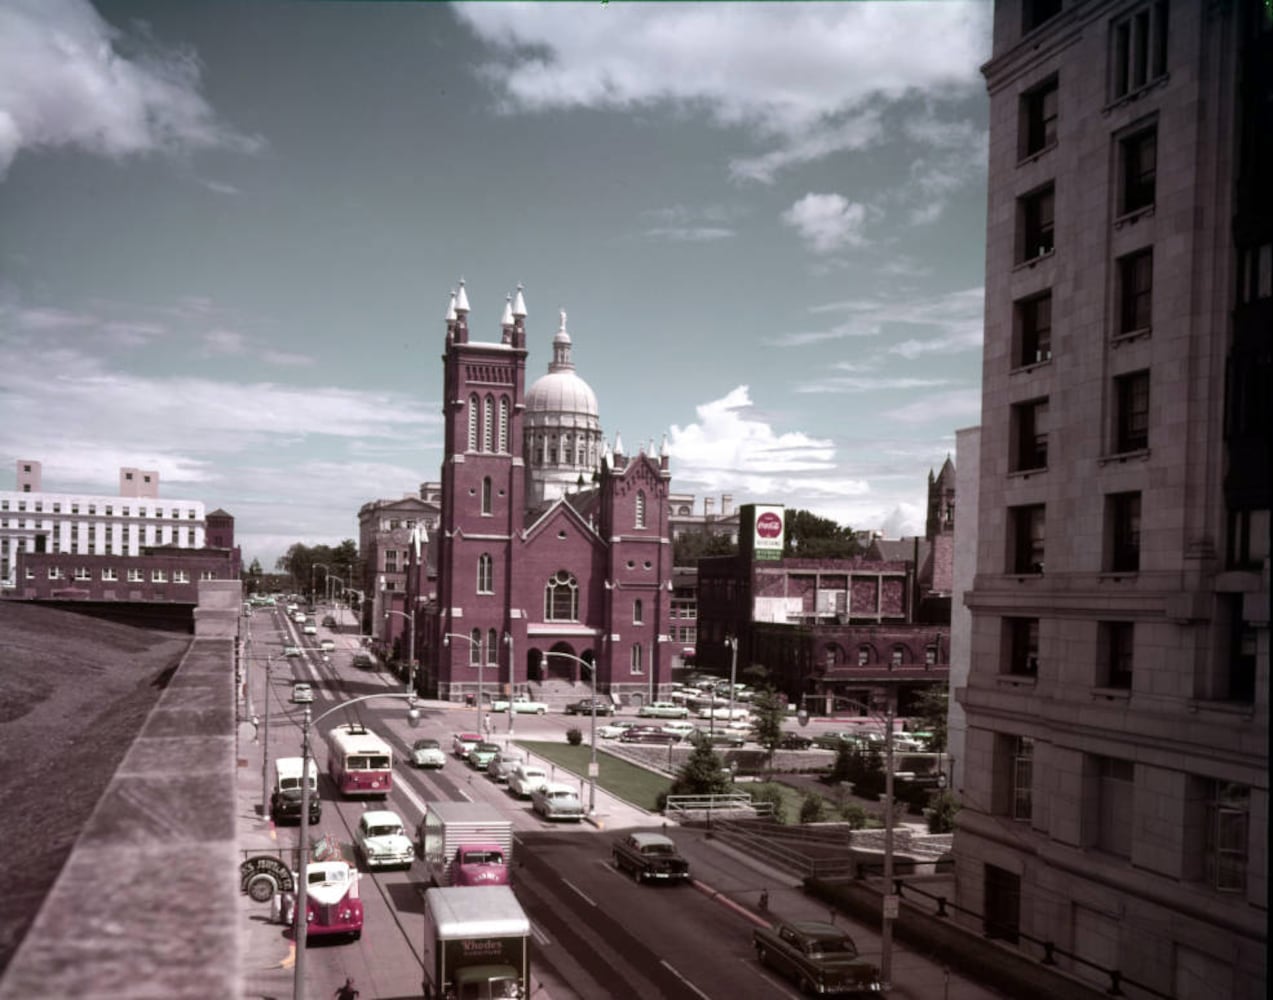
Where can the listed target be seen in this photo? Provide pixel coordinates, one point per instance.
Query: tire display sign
(265, 872)
(767, 532)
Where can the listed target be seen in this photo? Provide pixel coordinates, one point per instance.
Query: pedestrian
(347, 992)
(487, 723)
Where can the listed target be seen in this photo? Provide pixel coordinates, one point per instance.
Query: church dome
(561, 392)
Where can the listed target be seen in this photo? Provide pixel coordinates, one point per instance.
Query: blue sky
(228, 233)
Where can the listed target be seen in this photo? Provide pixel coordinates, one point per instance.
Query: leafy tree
(806, 534)
(768, 712)
(813, 809)
(773, 795)
(854, 815)
(703, 773)
(690, 546)
(303, 563)
(757, 675)
(930, 711)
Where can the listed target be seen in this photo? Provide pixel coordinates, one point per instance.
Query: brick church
(550, 541)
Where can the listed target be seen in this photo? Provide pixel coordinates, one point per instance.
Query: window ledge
(1111, 694)
(1134, 216)
(1117, 575)
(1238, 709)
(1031, 157)
(1017, 680)
(1030, 366)
(1135, 95)
(1120, 339)
(1027, 473)
(1022, 577)
(1032, 261)
(1140, 454)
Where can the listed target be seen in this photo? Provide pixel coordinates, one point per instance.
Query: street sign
(890, 906)
(594, 769)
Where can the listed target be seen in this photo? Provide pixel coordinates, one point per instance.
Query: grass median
(623, 780)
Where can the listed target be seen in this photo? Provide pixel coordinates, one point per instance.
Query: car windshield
(483, 858)
(659, 849)
(385, 830)
(334, 875)
(426, 744)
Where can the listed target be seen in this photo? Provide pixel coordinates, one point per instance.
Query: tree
(703, 773)
(768, 712)
(813, 809)
(806, 534)
(930, 710)
(690, 546)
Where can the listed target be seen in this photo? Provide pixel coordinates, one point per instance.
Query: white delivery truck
(465, 843)
(476, 944)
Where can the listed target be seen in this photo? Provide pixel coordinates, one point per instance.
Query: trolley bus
(359, 761)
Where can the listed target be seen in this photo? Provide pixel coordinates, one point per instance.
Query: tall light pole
(732, 642)
(313, 592)
(265, 746)
(446, 641)
(889, 900)
(508, 641)
(592, 764)
(330, 578)
(302, 883)
(410, 617)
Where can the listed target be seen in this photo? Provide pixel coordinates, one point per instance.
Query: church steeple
(561, 361)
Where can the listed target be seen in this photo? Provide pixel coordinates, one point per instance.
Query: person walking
(348, 991)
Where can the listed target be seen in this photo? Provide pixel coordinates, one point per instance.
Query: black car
(585, 707)
(794, 741)
(285, 804)
(329, 621)
(649, 734)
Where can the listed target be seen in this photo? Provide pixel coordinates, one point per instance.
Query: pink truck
(465, 843)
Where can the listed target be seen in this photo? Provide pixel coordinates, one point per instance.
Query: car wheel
(540, 712)
(806, 987)
(261, 888)
(762, 956)
(637, 877)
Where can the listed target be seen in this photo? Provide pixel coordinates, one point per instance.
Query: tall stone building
(1115, 793)
(549, 542)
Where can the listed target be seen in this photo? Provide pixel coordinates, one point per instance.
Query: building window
(1138, 53)
(487, 493)
(82, 573)
(1135, 292)
(864, 656)
(158, 576)
(134, 576)
(492, 646)
(485, 574)
(1115, 654)
(1255, 273)
(1138, 156)
(1228, 822)
(476, 658)
(503, 425)
(897, 656)
(1131, 430)
(1034, 330)
(930, 656)
(1035, 12)
(561, 598)
(473, 418)
(1027, 538)
(110, 574)
(488, 424)
(391, 560)
(1030, 435)
(1038, 118)
(1035, 214)
(1116, 782)
(1124, 527)
(1022, 778)
(640, 509)
(1023, 646)
(180, 576)
(634, 662)
(638, 612)
(1238, 659)
(55, 572)
(1248, 538)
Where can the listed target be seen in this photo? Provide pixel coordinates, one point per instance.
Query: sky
(229, 232)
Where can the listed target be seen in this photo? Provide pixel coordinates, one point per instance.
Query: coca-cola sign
(767, 533)
(769, 525)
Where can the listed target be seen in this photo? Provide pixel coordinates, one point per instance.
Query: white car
(504, 764)
(680, 727)
(663, 710)
(427, 753)
(382, 841)
(302, 693)
(613, 730)
(525, 779)
(521, 706)
(723, 712)
(557, 801)
(327, 646)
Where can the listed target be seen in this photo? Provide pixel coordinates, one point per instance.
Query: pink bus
(359, 761)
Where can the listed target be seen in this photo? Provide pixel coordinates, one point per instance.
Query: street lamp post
(313, 592)
(410, 617)
(330, 578)
(265, 746)
(889, 900)
(446, 637)
(732, 643)
(508, 641)
(301, 915)
(592, 737)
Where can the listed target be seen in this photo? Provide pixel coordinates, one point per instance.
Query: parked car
(650, 856)
(649, 734)
(329, 621)
(521, 705)
(721, 738)
(427, 753)
(382, 841)
(663, 710)
(602, 706)
(302, 693)
(818, 956)
(504, 764)
(833, 740)
(613, 730)
(794, 741)
(290, 650)
(557, 801)
(680, 727)
(481, 755)
(462, 744)
(525, 779)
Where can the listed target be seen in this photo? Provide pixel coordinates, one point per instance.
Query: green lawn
(626, 781)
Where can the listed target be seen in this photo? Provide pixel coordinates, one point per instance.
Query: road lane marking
(663, 962)
(578, 892)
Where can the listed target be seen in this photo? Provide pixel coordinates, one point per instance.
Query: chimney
(726, 504)
(709, 507)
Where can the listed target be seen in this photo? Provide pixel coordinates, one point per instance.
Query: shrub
(813, 809)
(854, 815)
(574, 737)
(941, 817)
(771, 794)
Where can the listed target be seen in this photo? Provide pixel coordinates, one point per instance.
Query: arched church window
(473, 414)
(561, 598)
(492, 647)
(488, 425)
(899, 656)
(486, 495)
(640, 509)
(475, 647)
(503, 425)
(638, 612)
(864, 655)
(552, 451)
(485, 574)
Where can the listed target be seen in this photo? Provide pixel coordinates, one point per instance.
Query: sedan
(427, 753)
(327, 646)
(525, 779)
(794, 741)
(329, 621)
(290, 650)
(555, 801)
(463, 743)
(589, 705)
(504, 764)
(302, 693)
(663, 710)
(481, 755)
(613, 730)
(381, 841)
(649, 734)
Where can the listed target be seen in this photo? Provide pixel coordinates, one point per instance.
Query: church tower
(941, 502)
(483, 491)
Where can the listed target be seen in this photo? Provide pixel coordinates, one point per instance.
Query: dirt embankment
(74, 693)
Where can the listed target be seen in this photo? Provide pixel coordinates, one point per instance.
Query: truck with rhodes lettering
(476, 944)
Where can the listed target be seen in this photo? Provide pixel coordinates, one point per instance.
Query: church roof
(561, 390)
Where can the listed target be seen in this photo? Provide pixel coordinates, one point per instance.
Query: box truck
(465, 843)
(476, 944)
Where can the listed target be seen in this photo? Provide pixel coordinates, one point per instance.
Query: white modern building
(1115, 782)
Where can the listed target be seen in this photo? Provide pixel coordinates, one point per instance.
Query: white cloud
(65, 80)
(690, 234)
(827, 222)
(224, 342)
(806, 78)
(956, 317)
(954, 408)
